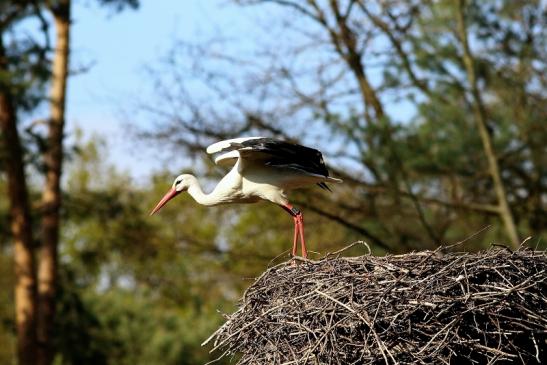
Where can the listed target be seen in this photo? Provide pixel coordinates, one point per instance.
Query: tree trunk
(53, 158)
(21, 227)
(480, 117)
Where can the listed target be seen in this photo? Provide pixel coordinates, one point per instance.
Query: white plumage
(263, 169)
(221, 145)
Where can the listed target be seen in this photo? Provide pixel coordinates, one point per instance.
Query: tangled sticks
(423, 308)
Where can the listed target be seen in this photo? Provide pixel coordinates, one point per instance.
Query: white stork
(263, 169)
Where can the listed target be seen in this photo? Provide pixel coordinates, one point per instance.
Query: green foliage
(79, 336)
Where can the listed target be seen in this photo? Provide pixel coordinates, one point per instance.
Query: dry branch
(423, 308)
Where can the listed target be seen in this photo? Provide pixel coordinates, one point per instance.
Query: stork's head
(181, 183)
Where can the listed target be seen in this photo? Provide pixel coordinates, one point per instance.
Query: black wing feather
(322, 185)
(288, 154)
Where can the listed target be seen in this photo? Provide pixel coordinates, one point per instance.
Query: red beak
(170, 195)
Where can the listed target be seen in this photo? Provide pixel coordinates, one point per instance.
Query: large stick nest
(422, 308)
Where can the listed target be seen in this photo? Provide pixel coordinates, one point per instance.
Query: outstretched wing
(271, 152)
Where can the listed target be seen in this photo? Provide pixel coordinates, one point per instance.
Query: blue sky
(117, 47)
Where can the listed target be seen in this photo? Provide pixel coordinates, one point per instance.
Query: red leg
(296, 230)
(301, 231)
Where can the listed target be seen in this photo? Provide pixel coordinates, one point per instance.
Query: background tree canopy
(433, 113)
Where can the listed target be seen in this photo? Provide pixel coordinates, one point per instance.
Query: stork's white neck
(199, 196)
